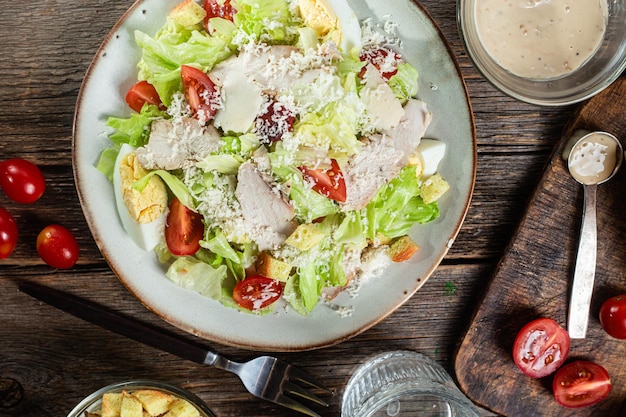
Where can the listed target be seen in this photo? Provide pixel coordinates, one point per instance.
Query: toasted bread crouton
(270, 267)
(305, 237)
(153, 401)
(416, 161)
(187, 13)
(433, 188)
(182, 408)
(131, 406)
(111, 404)
(402, 249)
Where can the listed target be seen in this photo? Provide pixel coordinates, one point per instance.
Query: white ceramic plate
(113, 71)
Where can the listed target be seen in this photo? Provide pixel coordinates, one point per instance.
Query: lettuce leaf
(254, 18)
(175, 45)
(398, 206)
(404, 82)
(195, 275)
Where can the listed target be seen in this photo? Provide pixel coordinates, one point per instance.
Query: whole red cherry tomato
(57, 246)
(541, 347)
(21, 180)
(613, 316)
(8, 233)
(581, 384)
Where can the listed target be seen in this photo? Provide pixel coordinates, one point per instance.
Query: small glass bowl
(93, 402)
(402, 384)
(604, 67)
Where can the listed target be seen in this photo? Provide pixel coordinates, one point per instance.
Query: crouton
(402, 249)
(433, 188)
(182, 408)
(111, 404)
(187, 13)
(305, 237)
(131, 406)
(153, 401)
(270, 267)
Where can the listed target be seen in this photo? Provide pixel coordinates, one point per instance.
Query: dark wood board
(533, 279)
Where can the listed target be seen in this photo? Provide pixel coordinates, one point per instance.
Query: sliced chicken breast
(175, 142)
(268, 217)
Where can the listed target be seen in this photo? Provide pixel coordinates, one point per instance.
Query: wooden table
(45, 49)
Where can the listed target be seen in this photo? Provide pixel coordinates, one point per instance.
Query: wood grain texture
(533, 280)
(46, 48)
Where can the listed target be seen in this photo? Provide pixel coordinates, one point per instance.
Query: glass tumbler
(404, 383)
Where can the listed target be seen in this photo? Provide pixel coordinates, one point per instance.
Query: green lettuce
(398, 206)
(175, 45)
(404, 82)
(325, 271)
(254, 16)
(195, 275)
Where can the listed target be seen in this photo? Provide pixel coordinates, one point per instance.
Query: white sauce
(593, 159)
(541, 39)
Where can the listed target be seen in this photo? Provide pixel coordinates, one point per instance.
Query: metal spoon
(593, 160)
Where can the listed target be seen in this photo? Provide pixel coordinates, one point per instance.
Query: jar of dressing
(540, 39)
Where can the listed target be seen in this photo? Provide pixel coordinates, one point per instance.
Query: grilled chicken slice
(383, 156)
(268, 217)
(175, 142)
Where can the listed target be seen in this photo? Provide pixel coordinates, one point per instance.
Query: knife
(117, 322)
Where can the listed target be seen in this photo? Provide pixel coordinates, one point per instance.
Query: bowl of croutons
(142, 398)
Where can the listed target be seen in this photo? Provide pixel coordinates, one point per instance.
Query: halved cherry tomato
(200, 92)
(143, 93)
(213, 8)
(57, 246)
(581, 384)
(8, 233)
(541, 347)
(21, 180)
(183, 229)
(384, 59)
(274, 121)
(613, 316)
(329, 183)
(257, 292)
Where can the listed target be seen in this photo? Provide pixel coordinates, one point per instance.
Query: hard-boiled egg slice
(349, 25)
(431, 152)
(151, 202)
(334, 18)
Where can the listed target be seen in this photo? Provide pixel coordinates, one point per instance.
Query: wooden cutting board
(533, 280)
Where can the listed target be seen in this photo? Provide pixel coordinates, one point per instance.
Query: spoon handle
(585, 271)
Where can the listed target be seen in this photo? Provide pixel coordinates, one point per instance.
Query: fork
(265, 377)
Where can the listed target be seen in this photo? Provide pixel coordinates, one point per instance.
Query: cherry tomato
(183, 229)
(256, 292)
(274, 122)
(384, 59)
(143, 93)
(581, 384)
(613, 316)
(21, 180)
(541, 347)
(8, 233)
(57, 246)
(200, 92)
(329, 183)
(213, 8)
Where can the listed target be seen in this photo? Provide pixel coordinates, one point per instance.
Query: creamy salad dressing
(593, 159)
(541, 39)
